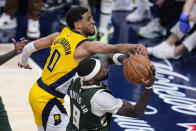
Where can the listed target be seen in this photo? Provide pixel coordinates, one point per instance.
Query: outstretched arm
(117, 58)
(114, 58)
(18, 49)
(99, 47)
(138, 110)
(45, 42)
(33, 46)
(7, 56)
(89, 48)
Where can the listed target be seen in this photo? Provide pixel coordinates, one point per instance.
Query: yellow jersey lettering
(65, 43)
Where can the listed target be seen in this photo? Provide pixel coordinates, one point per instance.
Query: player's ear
(91, 81)
(77, 25)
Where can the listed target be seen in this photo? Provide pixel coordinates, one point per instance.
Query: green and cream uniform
(4, 122)
(47, 94)
(82, 116)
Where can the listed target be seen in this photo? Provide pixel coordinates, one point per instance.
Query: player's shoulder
(85, 43)
(53, 35)
(93, 43)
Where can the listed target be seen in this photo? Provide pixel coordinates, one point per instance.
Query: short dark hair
(86, 66)
(74, 15)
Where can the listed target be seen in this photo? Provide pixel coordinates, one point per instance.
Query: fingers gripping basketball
(135, 68)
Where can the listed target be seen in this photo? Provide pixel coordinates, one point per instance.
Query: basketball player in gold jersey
(68, 48)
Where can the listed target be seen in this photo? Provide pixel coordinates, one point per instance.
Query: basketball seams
(140, 63)
(125, 69)
(128, 73)
(135, 69)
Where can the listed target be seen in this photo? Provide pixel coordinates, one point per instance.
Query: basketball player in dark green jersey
(91, 102)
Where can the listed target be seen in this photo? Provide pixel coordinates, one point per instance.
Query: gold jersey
(61, 65)
(60, 68)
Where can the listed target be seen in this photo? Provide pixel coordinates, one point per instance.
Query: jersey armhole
(81, 43)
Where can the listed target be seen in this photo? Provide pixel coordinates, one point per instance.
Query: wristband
(149, 87)
(115, 58)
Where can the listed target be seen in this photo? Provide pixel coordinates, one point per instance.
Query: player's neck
(87, 83)
(79, 31)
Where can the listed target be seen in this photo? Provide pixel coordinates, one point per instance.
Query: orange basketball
(135, 68)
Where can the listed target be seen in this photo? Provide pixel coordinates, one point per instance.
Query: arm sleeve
(27, 51)
(105, 102)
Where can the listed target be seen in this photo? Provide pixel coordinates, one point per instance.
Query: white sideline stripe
(35, 66)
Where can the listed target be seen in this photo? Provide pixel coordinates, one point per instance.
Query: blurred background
(172, 106)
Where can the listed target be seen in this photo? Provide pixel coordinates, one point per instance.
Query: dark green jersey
(4, 122)
(82, 118)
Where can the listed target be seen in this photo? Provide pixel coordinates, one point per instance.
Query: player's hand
(130, 53)
(142, 49)
(25, 67)
(150, 81)
(184, 23)
(19, 45)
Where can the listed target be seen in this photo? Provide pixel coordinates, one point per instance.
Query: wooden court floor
(15, 85)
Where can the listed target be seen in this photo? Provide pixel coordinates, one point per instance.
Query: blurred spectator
(75, 3)
(2, 4)
(164, 13)
(185, 16)
(105, 17)
(51, 5)
(167, 49)
(152, 30)
(142, 11)
(124, 5)
(8, 18)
